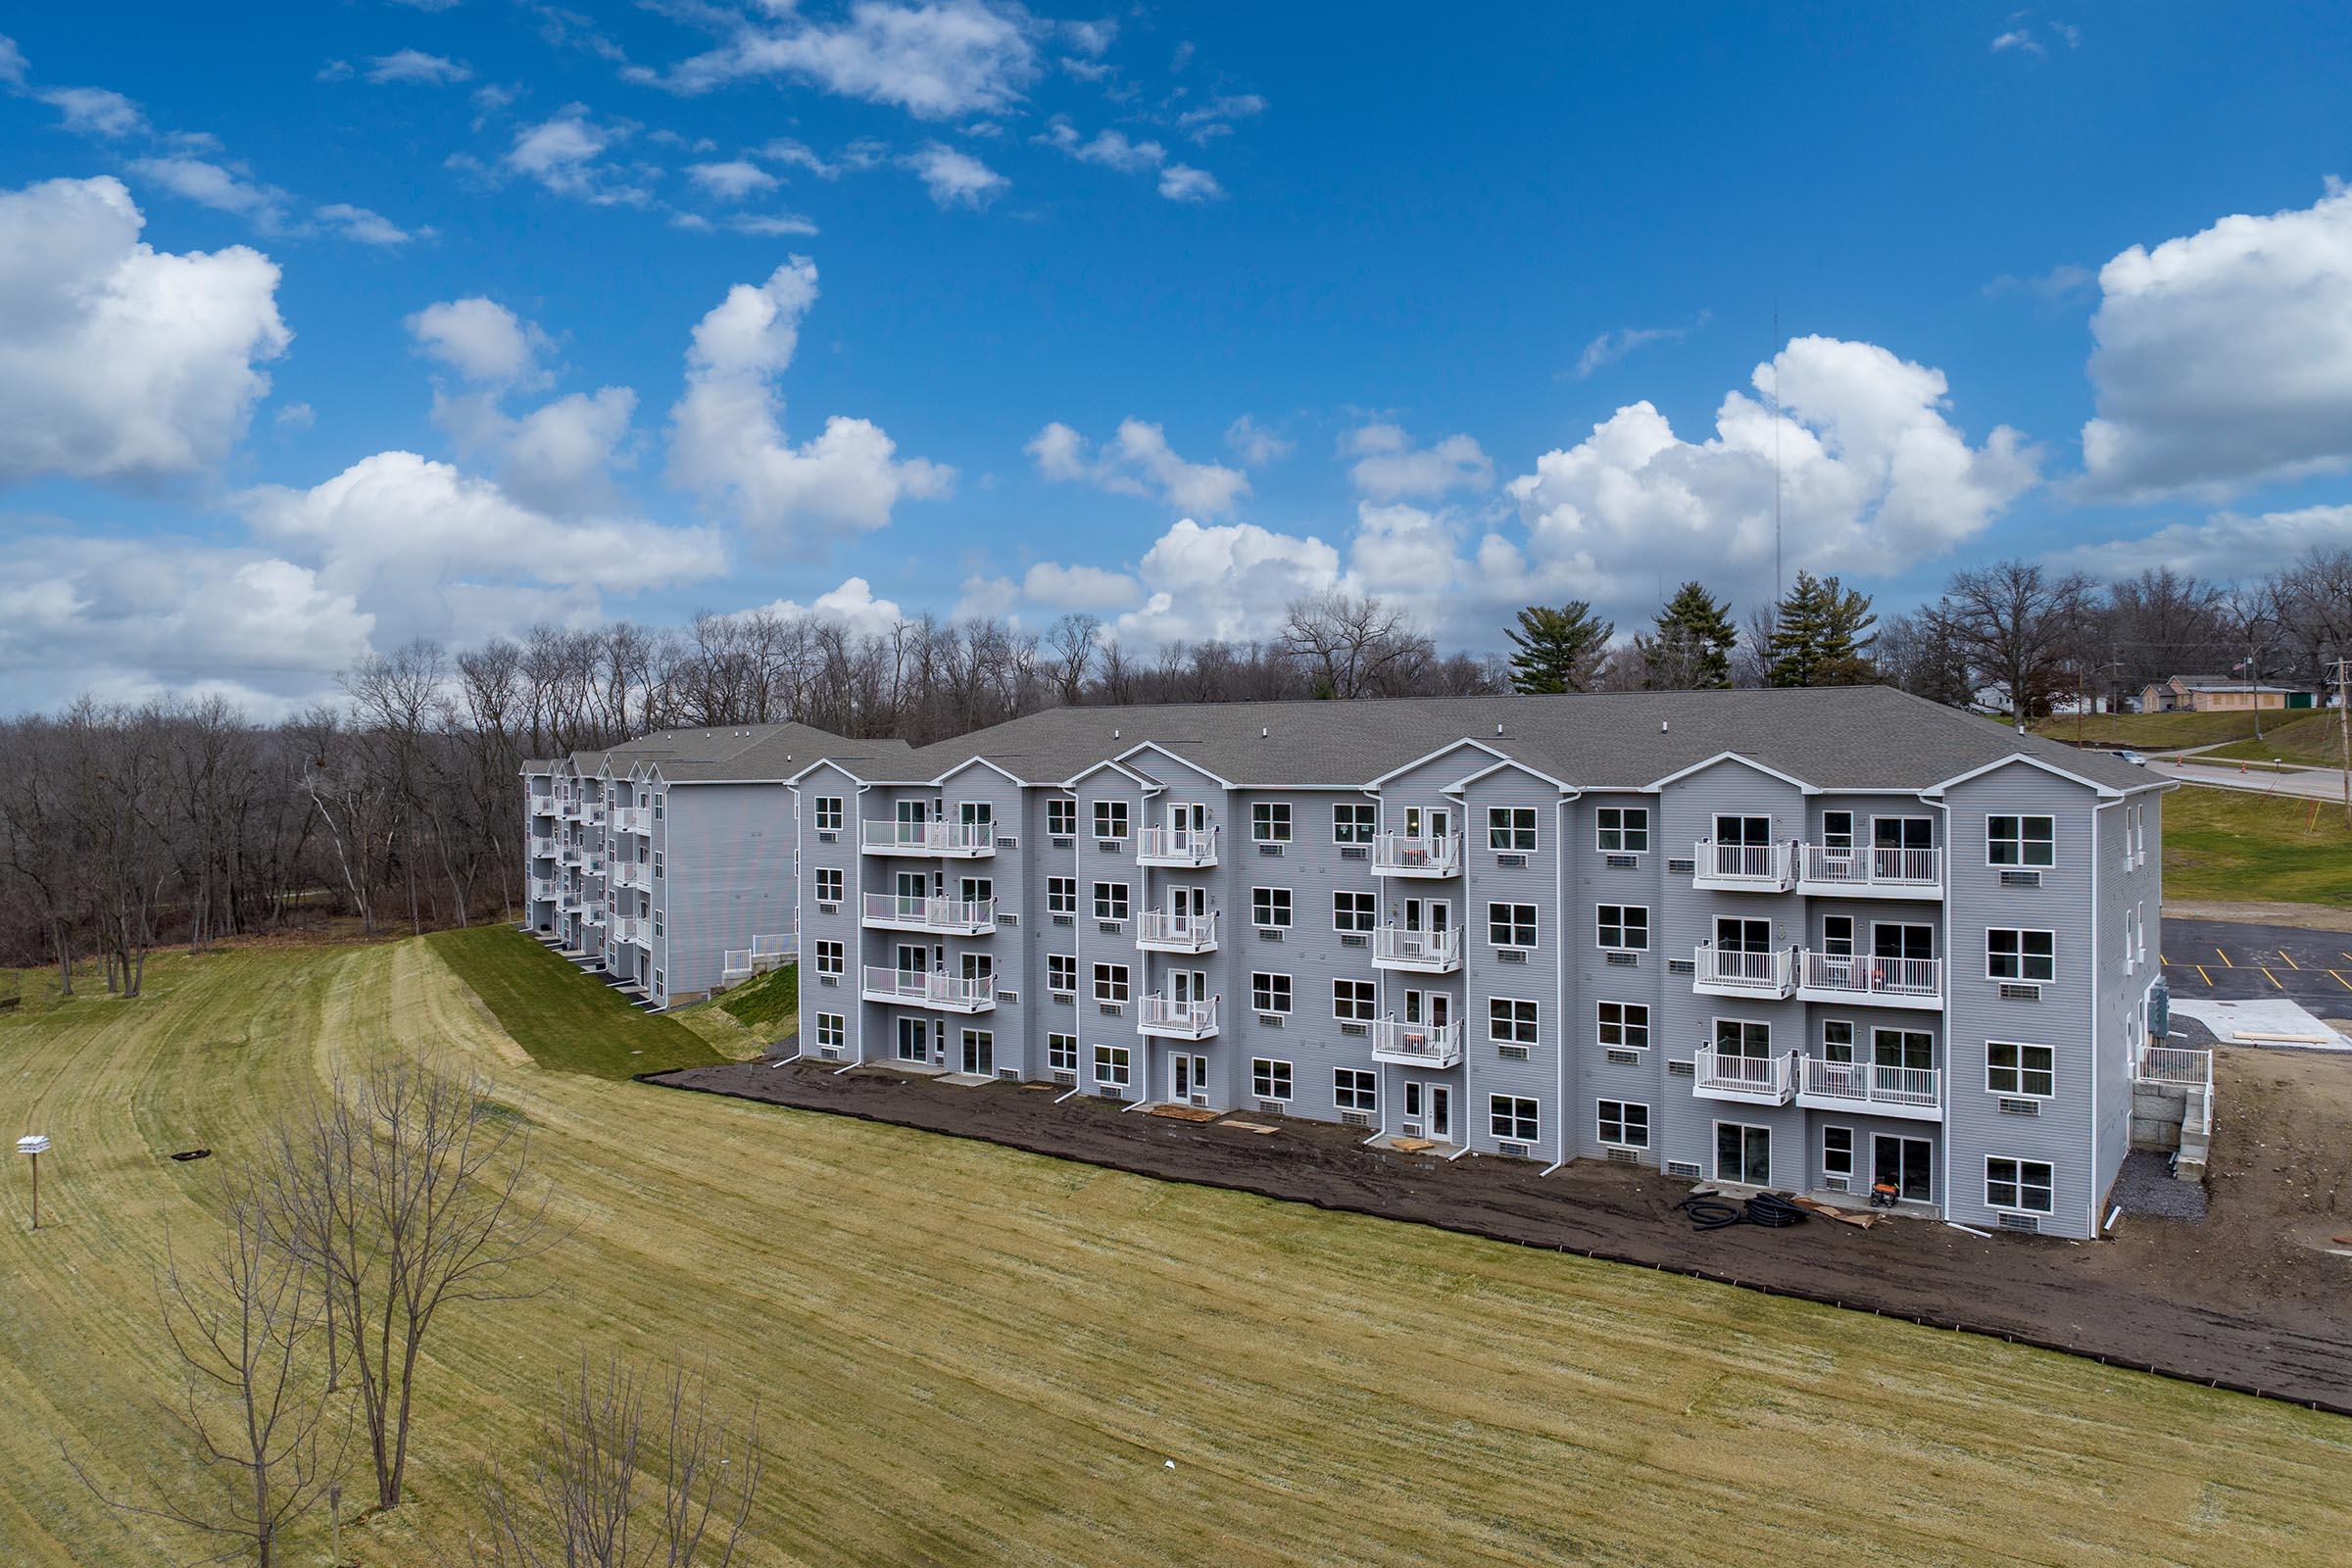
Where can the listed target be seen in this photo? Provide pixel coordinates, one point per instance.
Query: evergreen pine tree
(1692, 645)
(1559, 650)
(1798, 623)
(1821, 635)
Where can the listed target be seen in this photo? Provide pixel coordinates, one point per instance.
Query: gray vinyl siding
(726, 855)
(836, 923)
(1542, 978)
(1975, 1126)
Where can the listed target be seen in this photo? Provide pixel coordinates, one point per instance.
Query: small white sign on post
(37, 1145)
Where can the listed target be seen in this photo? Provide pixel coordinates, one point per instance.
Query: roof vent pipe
(1264, 731)
(1661, 726)
(1499, 729)
(1114, 734)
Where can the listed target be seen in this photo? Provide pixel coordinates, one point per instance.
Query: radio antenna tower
(1780, 586)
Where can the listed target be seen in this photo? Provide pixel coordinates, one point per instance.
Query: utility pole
(2343, 727)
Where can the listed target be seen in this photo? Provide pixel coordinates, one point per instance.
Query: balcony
(592, 865)
(539, 889)
(631, 928)
(1747, 1080)
(1185, 848)
(1421, 952)
(631, 874)
(1401, 854)
(543, 805)
(1868, 873)
(631, 819)
(1915, 1093)
(539, 847)
(958, 841)
(570, 853)
(1171, 1019)
(1162, 932)
(1736, 972)
(1417, 1044)
(942, 992)
(593, 813)
(1861, 977)
(765, 952)
(954, 916)
(1743, 868)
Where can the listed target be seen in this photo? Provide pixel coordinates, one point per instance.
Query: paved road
(2227, 960)
(2315, 785)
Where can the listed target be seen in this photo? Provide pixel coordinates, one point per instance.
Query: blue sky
(387, 319)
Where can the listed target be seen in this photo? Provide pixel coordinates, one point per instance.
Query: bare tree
(1353, 645)
(2017, 626)
(583, 1501)
(252, 1407)
(406, 1191)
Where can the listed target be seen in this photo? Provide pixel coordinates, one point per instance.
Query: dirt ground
(2240, 1298)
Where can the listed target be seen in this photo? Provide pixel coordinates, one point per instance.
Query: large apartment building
(667, 862)
(1813, 940)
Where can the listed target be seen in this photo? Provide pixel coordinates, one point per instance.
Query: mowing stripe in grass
(568, 1020)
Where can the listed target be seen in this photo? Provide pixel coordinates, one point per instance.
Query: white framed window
(1355, 1089)
(1353, 1000)
(829, 884)
(657, 800)
(1062, 973)
(1354, 822)
(2130, 943)
(1061, 1053)
(2022, 1186)
(1624, 1123)
(1514, 1118)
(1622, 927)
(1270, 992)
(1270, 908)
(830, 959)
(2017, 955)
(1354, 911)
(1743, 1037)
(2027, 841)
(1270, 821)
(1112, 1068)
(1269, 1079)
(1837, 1152)
(658, 871)
(1621, 829)
(1512, 828)
(657, 922)
(1511, 925)
(1512, 1021)
(1061, 895)
(1837, 1040)
(1110, 982)
(2014, 1068)
(827, 814)
(1111, 819)
(2139, 929)
(1110, 900)
(1624, 1025)
(1061, 822)
(832, 1030)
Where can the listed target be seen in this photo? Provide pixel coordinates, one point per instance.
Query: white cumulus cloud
(1388, 465)
(2224, 357)
(935, 60)
(418, 66)
(480, 339)
(956, 178)
(1138, 462)
(728, 441)
(118, 361)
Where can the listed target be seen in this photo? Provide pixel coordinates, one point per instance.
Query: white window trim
(1287, 821)
(1059, 988)
(1290, 914)
(1535, 816)
(1120, 810)
(1853, 1149)
(1647, 1023)
(1492, 1039)
(1290, 986)
(1353, 805)
(2020, 1163)
(1715, 1127)
(1338, 1104)
(1535, 924)
(1337, 893)
(2020, 1092)
(1119, 1058)
(1290, 1075)
(2020, 978)
(1622, 1106)
(1623, 812)
(1717, 1018)
(1348, 980)
(1621, 924)
(1515, 1136)
(2022, 818)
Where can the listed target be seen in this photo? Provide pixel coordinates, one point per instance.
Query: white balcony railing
(927, 838)
(630, 928)
(1863, 974)
(631, 819)
(1436, 951)
(1402, 854)
(2174, 1064)
(594, 813)
(764, 953)
(1863, 1084)
(1863, 869)
(1770, 1079)
(1176, 846)
(631, 874)
(539, 889)
(570, 853)
(1182, 1019)
(1417, 1044)
(917, 988)
(1755, 865)
(1177, 933)
(540, 846)
(970, 916)
(1768, 974)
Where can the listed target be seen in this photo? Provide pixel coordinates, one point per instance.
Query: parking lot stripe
(2226, 963)
(2288, 959)
(2202, 975)
(2272, 978)
(2339, 980)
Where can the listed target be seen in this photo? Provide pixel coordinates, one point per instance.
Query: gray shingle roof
(1857, 737)
(738, 753)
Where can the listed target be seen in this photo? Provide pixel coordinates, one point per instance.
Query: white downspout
(1560, 976)
(857, 850)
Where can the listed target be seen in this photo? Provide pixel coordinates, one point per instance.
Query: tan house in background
(2209, 694)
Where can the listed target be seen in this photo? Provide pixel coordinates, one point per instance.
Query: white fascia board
(1721, 758)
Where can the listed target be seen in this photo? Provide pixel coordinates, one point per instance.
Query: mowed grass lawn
(968, 1355)
(2151, 731)
(2314, 739)
(2233, 844)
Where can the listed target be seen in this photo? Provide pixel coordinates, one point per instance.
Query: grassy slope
(2313, 739)
(565, 1020)
(2143, 731)
(970, 1356)
(767, 1004)
(2226, 844)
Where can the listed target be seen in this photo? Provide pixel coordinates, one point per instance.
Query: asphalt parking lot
(2230, 961)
